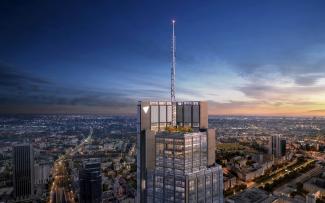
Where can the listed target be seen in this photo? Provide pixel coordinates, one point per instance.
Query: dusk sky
(244, 57)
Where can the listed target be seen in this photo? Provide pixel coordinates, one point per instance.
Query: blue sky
(244, 57)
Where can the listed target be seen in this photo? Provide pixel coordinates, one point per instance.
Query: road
(273, 176)
(287, 188)
(61, 189)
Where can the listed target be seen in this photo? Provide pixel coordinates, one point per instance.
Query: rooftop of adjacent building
(23, 145)
(91, 164)
(250, 196)
(319, 182)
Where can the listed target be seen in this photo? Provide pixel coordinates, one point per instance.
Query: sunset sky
(244, 57)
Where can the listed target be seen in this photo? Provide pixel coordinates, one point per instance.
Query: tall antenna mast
(173, 72)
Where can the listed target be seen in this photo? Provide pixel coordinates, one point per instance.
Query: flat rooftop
(250, 196)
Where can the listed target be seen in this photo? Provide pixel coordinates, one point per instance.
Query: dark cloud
(20, 92)
(258, 91)
(67, 109)
(13, 79)
(306, 80)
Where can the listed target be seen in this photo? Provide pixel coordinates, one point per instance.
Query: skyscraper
(154, 124)
(90, 182)
(277, 146)
(153, 117)
(23, 172)
(176, 151)
(283, 147)
(182, 172)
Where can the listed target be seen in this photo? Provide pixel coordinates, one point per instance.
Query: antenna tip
(173, 21)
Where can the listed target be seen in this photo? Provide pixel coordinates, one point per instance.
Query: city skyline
(255, 58)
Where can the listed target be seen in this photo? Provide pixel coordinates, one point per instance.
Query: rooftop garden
(179, 129)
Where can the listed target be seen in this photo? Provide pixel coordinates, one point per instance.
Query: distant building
(23, 172)
(249, 173)
(42, 173)
(251, 196)
(312, 197)
(229, 181)
(277, 146)
(90, 182)
(315, 185)
(283, 147)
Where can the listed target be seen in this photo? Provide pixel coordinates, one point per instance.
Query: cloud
(317, 111)
(67, 109)
(256, 91)
(13, 79)
(303, 68)
(305, 80)
(295, 95)
(264, 108)
(270, 88)
(20, 92)
(296, 85)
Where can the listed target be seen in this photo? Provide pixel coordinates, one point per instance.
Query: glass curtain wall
(176, 155)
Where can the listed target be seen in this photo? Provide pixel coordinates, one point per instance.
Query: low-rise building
(251, 196)
(315, 185)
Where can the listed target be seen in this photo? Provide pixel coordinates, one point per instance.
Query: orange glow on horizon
(268, 111)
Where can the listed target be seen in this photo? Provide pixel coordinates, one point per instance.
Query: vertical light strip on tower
(173, 72)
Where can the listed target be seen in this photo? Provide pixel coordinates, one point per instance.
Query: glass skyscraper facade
(176, 166)
(187, 114)
(90, 182)
(23, 165)
(278, 146)
(181, 173)
(161, 115)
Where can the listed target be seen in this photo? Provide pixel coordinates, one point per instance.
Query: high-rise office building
(23, 172)
(277, 146)
(154, 123)
(182, 173)
(175, 150)
(90, 182)
(283, 147)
